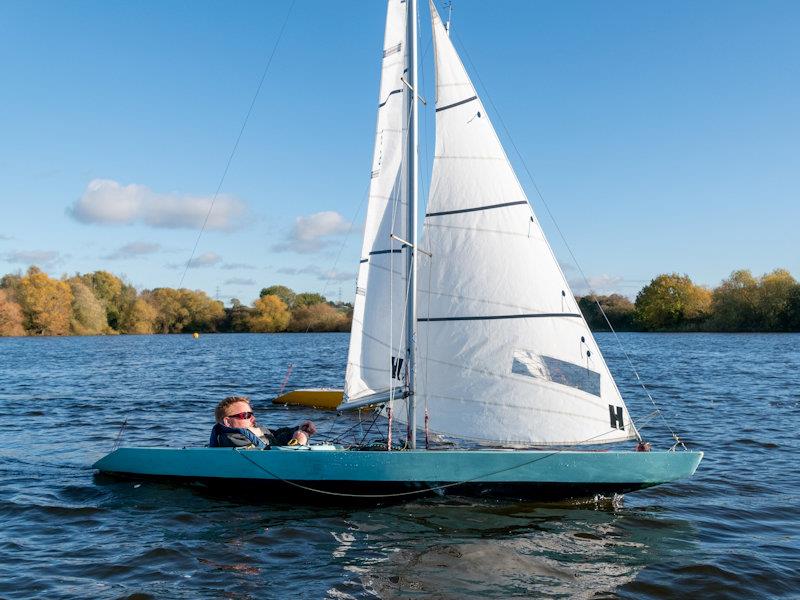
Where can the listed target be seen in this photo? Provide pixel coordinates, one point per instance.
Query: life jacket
(223, 436)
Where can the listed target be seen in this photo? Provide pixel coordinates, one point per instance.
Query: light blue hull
(333, 470)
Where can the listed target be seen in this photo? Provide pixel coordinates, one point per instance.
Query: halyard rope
(238, 139)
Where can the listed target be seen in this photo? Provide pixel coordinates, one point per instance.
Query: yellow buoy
(195, 335)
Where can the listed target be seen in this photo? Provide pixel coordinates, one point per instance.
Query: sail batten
(474, 208)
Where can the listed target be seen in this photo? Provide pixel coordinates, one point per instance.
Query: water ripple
(730, 531)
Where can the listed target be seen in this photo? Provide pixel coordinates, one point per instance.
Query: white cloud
(321, 274)
(33, 257)
(5, 237)
(312, 233)
(237, 266)
(107, 202)
(597, 284)
(207, 259)
(133, 250)
(334, 275)
(239, 281)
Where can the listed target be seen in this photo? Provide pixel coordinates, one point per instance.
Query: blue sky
(664, 137)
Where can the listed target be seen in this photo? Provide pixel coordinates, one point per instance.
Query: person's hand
(308, 427)
(300, 437)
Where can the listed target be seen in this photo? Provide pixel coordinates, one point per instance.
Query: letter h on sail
(615, 412)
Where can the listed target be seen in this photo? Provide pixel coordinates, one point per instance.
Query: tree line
(100, 303)
(672, 302)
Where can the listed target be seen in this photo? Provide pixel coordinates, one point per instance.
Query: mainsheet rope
(243, 453)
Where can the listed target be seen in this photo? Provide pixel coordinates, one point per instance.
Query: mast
(411, 211)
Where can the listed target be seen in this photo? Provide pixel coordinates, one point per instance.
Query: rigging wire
(564, 240)
(238, 139)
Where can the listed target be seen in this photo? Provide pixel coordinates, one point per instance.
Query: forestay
(376, 340)
(504, 355)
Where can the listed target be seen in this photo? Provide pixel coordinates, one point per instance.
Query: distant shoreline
(101, 303)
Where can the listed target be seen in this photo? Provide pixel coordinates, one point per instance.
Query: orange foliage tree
(10, 317)
(46, 303)
(319, 317)
(270, 314)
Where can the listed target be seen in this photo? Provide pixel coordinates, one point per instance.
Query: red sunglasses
(241, 416)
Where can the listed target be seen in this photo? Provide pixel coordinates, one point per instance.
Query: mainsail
(504, 354)
(377, 346)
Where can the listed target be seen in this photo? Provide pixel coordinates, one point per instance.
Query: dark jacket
(235, 437)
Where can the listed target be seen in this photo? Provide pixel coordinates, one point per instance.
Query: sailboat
(470, 335)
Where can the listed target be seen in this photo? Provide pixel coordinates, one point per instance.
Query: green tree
(672, 301)
(774, 298)
(46, 303)
(793, 310)
(619, 310)
(735, 303)
(270, 314)
(307, 299)
(281, 291)
(108, 288)
(237, 317)
(125, 305)
(10, 316)
(171, 315)
(88, 313)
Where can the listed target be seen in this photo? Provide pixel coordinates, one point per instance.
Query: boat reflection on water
(488, 550)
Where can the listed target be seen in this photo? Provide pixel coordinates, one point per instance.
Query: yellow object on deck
(316, 398)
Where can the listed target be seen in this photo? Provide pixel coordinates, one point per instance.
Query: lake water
(731, 531)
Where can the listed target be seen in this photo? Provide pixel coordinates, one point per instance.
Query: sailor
(236, 427)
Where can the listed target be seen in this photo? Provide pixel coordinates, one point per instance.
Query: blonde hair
(222, 407)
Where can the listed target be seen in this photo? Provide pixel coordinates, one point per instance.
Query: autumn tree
(319, 317)
(206, 314)
(281, 291)
(184, 310)
(88, 313)
(142, 318)
(46, 303)
(270, 314)
(672, 302)
(10, 316)
(10, 284)
(171, 315)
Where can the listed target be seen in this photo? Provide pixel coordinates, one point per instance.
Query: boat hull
(319, 398)
(315, 475)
